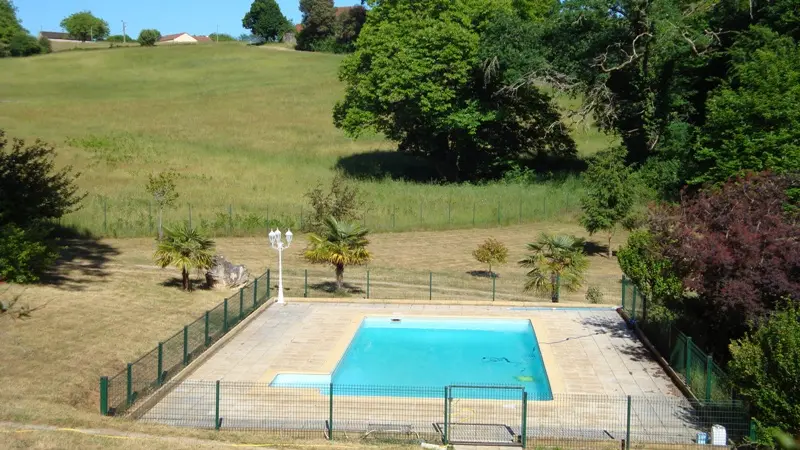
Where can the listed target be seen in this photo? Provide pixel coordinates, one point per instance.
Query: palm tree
(342, 244)
(186, 249)
(556, 261)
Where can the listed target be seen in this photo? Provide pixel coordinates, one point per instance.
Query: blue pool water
(434, 353)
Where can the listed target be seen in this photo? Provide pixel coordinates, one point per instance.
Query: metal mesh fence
(141, 377)
(706, 380)
(487, 415)
(422, 285)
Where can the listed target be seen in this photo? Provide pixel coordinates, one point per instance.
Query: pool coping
(551, 367)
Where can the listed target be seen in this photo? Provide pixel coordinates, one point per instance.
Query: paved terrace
(593, 362)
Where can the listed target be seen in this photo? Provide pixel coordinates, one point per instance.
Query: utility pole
(123, 32)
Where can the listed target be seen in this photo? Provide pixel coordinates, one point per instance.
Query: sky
(167, 16)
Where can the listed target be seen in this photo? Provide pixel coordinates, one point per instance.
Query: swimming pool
(435, 352)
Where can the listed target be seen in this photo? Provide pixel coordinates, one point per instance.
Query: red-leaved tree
(737, 249)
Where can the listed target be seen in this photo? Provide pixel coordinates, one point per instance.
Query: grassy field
(249, 131)
(109, 305)
(60, 46)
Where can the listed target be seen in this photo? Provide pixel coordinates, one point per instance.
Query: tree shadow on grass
(482, 274)
(177, 282)
(592, 248)
(394, 165)
(82, 260)
(331, 288)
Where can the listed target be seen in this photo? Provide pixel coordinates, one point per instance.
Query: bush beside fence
(143, 376)
(697, 369)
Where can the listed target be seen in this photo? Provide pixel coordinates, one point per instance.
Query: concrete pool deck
(585, 351)
(593, 362)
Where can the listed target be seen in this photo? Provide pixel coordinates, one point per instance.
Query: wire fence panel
(149, 372)
(486, 415)
(387, 413)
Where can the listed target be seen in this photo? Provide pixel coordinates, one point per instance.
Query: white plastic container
(718, 435)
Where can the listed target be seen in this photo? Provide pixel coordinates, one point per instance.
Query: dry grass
(244, 127)
(104, 312)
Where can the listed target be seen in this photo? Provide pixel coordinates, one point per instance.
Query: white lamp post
(276, 242)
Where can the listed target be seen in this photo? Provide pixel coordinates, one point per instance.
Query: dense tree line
(14, 39)
(326, 28)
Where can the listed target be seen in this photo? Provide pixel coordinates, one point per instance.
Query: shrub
(491, 252)
(44, 45)
(23, 44)
(24, 254)
(149, 37)
(342, 201)
(594, 295)
(765, 368)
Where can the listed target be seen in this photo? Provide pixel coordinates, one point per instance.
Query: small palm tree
(186, 249)
(555, 261)
(341, 245)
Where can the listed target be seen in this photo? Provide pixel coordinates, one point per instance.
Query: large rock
(225, 275)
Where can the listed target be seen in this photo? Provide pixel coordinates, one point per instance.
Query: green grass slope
(248, 129)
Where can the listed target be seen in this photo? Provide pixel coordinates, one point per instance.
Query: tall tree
(418, 77)
(85, 26)
(9, 23)
(319, 17)
(343, 244)
(555, 262)
(609, 194)
(535, 10)
(186, 249)
(266, 20)
(347, 26)
(753, 118)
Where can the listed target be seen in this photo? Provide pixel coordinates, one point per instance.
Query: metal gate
(485, 415)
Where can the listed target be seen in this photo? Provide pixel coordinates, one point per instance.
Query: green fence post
(709, 362)
(160, 362)
(269, 286)
(753, 435)
(305, 284)
(230, 218)
(624, 288)
(688, 362)
(430, 285)
(449, 207)
(446, 414)
(105, 215)
(367, 284)
(225, 316)
(628, 427)
(473, 214)
(524, 419)
(206, 341)
(633, 308)
(330, 412)
(216, 408)
(494, 284)
(129, 384)
(241, 303)
(255, 293)
(104, 396)
(186, 345)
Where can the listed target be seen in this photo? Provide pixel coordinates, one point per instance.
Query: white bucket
(718, 435)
